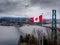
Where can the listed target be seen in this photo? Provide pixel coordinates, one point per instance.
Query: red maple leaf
(36, 19)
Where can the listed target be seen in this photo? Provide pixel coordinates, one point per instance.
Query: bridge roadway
(58, 29)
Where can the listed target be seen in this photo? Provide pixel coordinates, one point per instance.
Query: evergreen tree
(31, 39)
(21, 39)
(26, 39)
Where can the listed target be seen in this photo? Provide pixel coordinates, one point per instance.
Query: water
(9, 35)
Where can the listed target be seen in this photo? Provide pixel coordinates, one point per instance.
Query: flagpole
(42, 19)
(42, 32)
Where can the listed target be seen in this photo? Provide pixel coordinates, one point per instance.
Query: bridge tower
(54, 31)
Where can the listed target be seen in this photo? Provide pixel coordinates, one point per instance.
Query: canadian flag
(36, 19)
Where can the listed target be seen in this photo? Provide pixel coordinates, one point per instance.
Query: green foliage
(31, 39)
(25, 44)
(26, 39)
(48, 41)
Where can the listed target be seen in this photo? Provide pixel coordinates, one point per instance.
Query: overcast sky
(29, 8)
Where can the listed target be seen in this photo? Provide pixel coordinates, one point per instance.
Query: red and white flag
(36, 19)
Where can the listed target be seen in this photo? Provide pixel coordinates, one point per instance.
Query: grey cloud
(28, 7)
(46, 3)
(14, 5)
(7, 5)
(40, 1)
